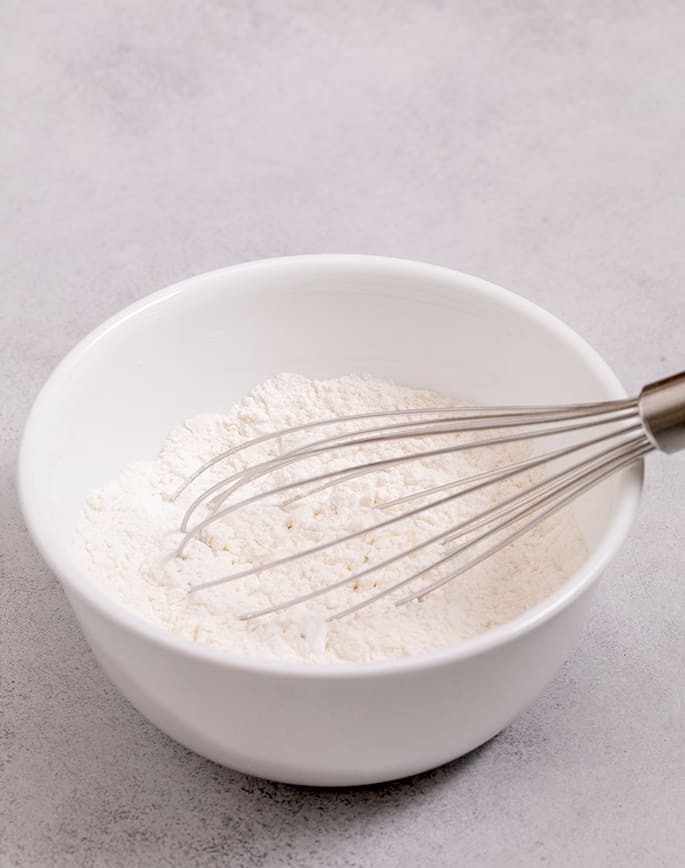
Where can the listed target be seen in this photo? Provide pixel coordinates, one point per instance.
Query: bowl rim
(74, 580)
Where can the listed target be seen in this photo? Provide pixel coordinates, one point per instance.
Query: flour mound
(129, 532)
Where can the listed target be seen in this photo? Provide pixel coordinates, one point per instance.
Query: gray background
(539, 145)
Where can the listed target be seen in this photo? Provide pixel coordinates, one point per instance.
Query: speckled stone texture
(536, 144)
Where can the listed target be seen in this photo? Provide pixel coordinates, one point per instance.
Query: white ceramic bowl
(202, 344)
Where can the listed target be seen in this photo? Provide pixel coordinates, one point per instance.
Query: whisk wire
(593, 478)
(655, 419)
(267, 467)
(516, 504)
(414, 411)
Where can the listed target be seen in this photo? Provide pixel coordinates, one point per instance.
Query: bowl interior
(202, 345)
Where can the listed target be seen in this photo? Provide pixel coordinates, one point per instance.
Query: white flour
(129, 531)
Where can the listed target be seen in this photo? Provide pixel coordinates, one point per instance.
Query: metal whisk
(606, 437)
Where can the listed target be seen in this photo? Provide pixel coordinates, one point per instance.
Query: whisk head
(595, 441)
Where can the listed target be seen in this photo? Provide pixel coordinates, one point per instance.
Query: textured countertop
(539, 145)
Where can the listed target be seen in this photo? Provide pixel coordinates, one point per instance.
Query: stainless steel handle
(662, 409)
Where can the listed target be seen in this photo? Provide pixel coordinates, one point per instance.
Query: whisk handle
(662, 410)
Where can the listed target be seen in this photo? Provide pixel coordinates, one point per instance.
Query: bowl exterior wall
(331, 731)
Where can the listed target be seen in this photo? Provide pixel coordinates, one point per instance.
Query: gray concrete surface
(539, 145)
